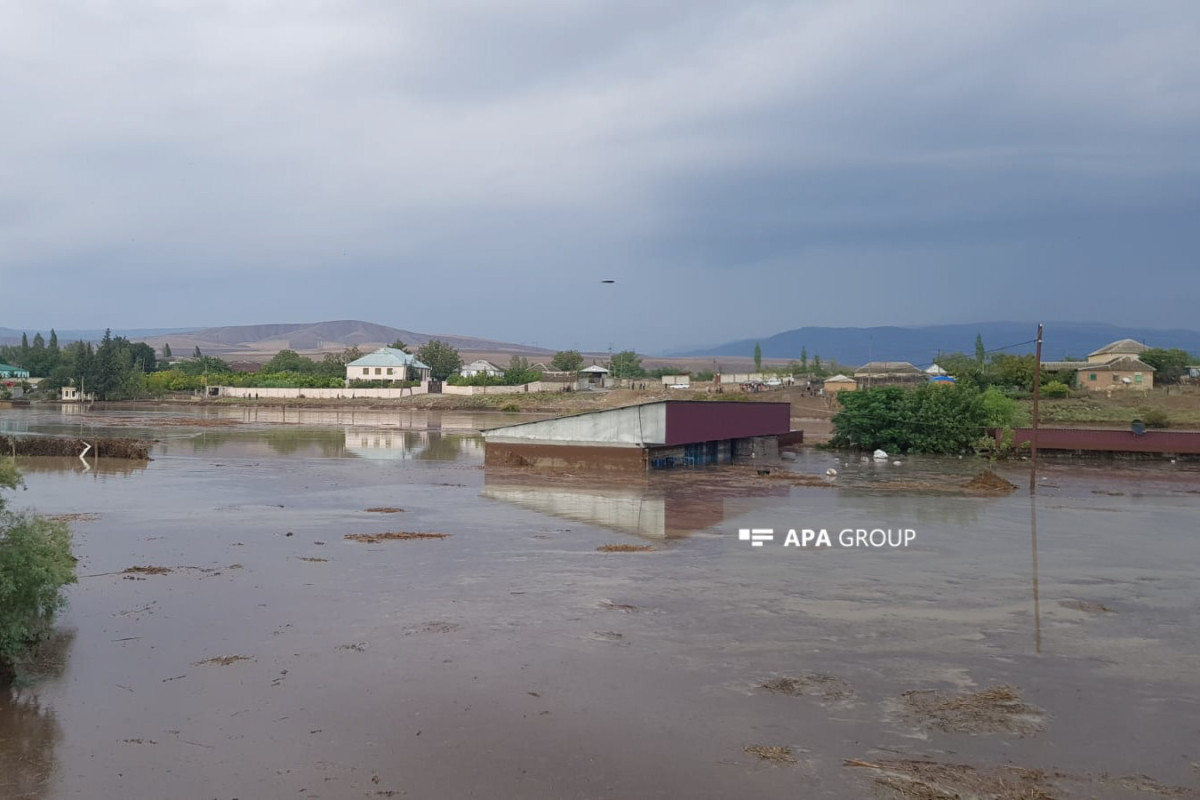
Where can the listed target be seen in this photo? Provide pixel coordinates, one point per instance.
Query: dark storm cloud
(273, 160)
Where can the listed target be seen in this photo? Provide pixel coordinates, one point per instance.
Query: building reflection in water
(652, 506)
(390, 443)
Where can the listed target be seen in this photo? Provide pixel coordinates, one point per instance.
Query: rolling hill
(921, 344)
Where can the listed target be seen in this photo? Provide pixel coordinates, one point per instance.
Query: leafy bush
(928, 419)
(35, 564)
(1155, 418)
(1056, 389)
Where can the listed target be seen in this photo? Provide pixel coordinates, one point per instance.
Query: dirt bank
(70, 446)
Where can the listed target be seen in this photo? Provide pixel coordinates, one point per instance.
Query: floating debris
(1086, 606)
(147, 571)
(221, 661)
(609, 605)
(813, 684)
(988, 481)
(71, 517)
(385, 510)
(313, 559)
(931, 780)
(776, 754)
(374, 538)
(997, 709)
(626, 548)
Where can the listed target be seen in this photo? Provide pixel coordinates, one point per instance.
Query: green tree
(205, 365)
(980, 353)
(626, 364)
(1170, 365)
(757, 357)
(333, 365)
(398, 345)
(35, 564)
(804, 359)
(518, 372)
(143, 356)
(1014, 372)
(442, 359)
(567, 361)
(166, 351)
(197, 353)
(930, 418)
(289, 361)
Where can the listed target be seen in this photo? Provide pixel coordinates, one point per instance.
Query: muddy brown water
(511, 659)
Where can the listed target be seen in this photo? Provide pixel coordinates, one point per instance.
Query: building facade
(387, 364)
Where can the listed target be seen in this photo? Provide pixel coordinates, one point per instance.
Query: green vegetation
(1169, 365)
(1155, 418)
(442, 359)
(626, 364)
(927, 419)
(517, 373)
(1055, 389)
(757, 357)
(567, 361)
(35, 564)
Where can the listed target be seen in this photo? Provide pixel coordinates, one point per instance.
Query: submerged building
(668, 433)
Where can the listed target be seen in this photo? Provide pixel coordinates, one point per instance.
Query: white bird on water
(831, 472)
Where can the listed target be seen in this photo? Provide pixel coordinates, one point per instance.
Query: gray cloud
(457, 166)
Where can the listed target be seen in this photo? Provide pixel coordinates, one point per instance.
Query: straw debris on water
(374, 538)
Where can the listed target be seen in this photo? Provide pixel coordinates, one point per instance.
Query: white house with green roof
(8, 371)
(387, 364)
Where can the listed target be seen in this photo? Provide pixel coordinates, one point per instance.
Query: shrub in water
(35, 564)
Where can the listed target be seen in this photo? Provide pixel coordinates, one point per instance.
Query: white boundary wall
(262, 393)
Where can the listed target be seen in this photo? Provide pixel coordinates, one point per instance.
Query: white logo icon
(756, 536)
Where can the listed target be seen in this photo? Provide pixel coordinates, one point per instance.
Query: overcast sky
(738, 168)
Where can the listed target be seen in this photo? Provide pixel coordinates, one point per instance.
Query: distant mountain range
(259, 342)
(921, 345)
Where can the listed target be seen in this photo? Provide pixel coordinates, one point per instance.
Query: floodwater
(511, 659)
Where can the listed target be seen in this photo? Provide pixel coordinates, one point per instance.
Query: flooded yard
(346, 604)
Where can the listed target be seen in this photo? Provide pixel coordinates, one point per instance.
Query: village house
(480, 367)
(888, 373)
(387, 364)
(1114, 366)
(8, 371)
(836, 384)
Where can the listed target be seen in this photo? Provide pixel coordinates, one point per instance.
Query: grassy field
(1181, 406)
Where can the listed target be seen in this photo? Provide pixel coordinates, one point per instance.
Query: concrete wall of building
(1108, 380)
(628, 427)
(263, 393)
(743, 377)
(564, 457)
(756, 449)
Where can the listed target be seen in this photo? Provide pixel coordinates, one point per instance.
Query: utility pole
(1033, 434)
